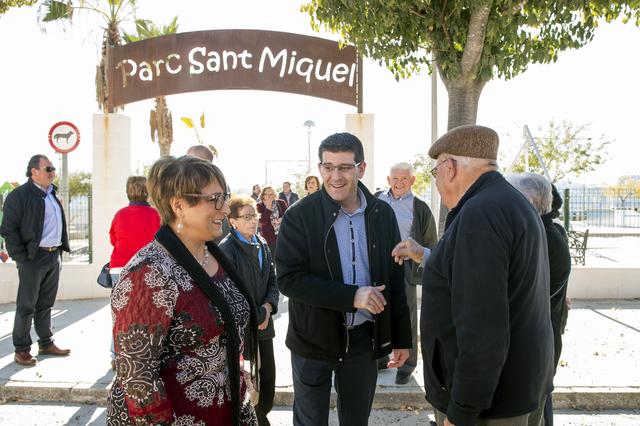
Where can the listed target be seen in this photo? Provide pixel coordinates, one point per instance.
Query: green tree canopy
(6, 4)
(565, 150)
(421, 166)
(112, 12)
(79, 183)
(627, 187)
(472, 42)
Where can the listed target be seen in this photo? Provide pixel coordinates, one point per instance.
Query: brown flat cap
(467, 141)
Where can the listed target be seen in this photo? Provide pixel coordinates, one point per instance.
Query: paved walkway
(600, 364)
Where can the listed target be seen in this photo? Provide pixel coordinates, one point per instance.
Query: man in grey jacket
(416, 222)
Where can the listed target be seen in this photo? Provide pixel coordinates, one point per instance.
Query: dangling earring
(180, 226)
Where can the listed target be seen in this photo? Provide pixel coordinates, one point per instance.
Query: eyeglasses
(434, 171)
(218, 198)
(269, 194)
(342, 168)
(49, 169)
(248, 217)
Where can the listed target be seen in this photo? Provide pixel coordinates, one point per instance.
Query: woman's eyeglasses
(218, 198)
(248, 217)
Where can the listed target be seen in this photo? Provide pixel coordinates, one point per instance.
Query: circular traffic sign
(64, 137)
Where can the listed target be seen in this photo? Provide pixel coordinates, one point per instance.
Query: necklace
(205, 258)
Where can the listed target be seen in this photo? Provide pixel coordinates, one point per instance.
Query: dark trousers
(37, 290)
(411, 292)
(510, 421)
(355, 383)
(267, 375)
(548, 411)
(412, 302)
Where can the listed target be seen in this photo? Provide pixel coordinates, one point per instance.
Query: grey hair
(403, 166)
(536, 188)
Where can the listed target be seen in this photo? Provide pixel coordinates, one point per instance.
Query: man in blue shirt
(347, 305)
(34, 228)
(416, 223)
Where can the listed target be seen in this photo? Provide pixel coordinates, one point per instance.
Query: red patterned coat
(171, 347)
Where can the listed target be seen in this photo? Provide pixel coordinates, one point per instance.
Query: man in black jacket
(287, 195)
(347, 306)
(416, 224)
(487, 342)
(34, 229)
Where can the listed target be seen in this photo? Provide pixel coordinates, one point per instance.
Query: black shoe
(402, 377)
(382, 363)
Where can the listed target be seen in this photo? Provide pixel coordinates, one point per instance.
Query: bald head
(202, 152)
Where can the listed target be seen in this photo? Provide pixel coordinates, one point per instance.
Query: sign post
(64, 137)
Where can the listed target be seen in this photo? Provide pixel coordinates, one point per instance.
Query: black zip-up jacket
(487, 342)
(23, 221)
(559, 270)
(261, 283)
(310, 274)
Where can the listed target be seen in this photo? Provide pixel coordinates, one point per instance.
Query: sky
(46, 78)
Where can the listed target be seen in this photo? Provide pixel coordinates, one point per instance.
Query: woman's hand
(265, 323)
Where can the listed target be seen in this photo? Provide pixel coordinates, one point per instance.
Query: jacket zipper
(369, 244)
(344, 315)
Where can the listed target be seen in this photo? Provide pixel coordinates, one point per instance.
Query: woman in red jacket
(133, 226)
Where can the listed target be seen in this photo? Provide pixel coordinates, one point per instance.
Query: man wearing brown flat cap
(487, 341)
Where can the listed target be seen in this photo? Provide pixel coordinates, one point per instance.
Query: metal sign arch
(234, 60)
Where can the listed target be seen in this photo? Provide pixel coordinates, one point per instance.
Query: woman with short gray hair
(537, 189)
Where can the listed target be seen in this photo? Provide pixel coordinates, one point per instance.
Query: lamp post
(309, 124)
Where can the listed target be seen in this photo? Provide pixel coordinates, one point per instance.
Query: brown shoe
(52, 349)
(24, 358)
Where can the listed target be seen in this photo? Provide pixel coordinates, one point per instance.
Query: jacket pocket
(435, 374)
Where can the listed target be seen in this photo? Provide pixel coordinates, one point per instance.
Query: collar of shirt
(47, 190)
(361, 209)
(241, 237)
(406, 196)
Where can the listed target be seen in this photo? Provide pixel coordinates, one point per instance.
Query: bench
(578, 246)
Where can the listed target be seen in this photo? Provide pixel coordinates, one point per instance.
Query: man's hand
(447, 422)
(265, 323)
(407, 249)
(398, 358)
(370, 298)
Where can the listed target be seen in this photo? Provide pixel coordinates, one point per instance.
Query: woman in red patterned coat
(182, 316)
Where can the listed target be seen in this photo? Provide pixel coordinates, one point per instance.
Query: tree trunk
(164, 123)
(464, 97)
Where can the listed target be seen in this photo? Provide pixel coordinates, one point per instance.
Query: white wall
(78, 281)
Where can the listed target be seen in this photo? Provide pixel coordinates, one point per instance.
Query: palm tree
(112, 12)
(160, 118)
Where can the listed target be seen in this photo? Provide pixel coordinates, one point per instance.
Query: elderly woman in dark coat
(538, 190)
(250, 255)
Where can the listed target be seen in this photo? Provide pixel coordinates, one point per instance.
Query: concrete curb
(580, 398)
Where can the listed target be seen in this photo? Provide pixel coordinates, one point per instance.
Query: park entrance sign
(233, 59)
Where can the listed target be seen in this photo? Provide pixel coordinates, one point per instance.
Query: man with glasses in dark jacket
(487, 341)
(34, 228)
(347, 306)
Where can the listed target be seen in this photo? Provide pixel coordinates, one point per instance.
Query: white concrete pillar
(361, 125)
(111, 168)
